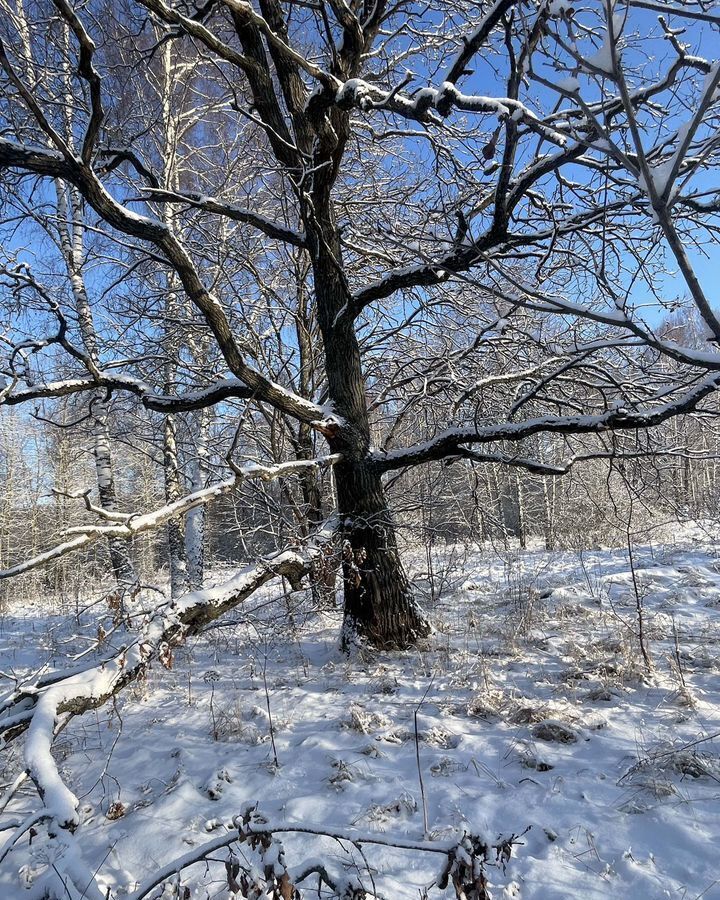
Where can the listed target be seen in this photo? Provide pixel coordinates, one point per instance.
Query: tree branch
(84, 535)
(453, 441)
(37, 709)
(231, 211)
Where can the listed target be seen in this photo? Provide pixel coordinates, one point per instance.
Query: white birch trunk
(195, 522)
(179, 581)
(70, 229)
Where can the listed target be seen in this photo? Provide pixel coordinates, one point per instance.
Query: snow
(660, 174)
(354, 88)
(603, 58)
(710, 77)
(60, 802)
(216, 596)
(15, 147)
(527, 644)
(558, 8)
(365, 96)
(569, 84)
(191, 396)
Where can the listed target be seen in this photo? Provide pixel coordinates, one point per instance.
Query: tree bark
(179, 583)
(71, 231)
(379, 604)
(197, 518)
(379, 607)
(120, 558)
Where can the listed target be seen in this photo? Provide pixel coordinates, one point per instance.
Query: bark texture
(71, 234)
(379, 605)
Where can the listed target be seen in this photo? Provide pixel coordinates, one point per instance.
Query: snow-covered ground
(536, 718)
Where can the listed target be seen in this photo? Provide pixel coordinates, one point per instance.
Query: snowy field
(537, 724)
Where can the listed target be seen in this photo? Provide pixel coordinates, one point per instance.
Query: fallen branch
(464, 865)
(40, 709)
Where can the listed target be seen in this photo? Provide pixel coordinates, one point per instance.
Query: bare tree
(572, 182)
(447, 232)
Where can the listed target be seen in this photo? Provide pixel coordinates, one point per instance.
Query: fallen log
(45, 708)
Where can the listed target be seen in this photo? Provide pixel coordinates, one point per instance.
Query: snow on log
(169, 625)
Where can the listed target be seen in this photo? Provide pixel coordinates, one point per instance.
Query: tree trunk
(323, 572)
(379, 603)
(196, 519)
(379, 607)
(521, 516)
(120, 558)
(174, 337)
(324, 568)
(549, 495)
(175, 530)
(71, 231)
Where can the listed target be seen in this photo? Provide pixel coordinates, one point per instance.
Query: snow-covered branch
(693, 11)
(366, 97)
(53, 164)
(38, 709)
(465, 858)
(223, 389)
(454, 441)
(232, 211)
(557, 470)
(84, 535)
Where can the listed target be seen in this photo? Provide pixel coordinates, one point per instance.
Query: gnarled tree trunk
(379, 603)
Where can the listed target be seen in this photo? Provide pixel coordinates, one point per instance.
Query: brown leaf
(116, 811)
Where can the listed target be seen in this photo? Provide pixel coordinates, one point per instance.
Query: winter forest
(359, 449)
